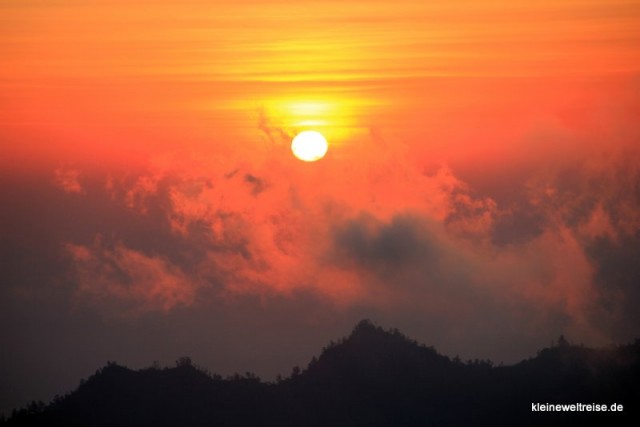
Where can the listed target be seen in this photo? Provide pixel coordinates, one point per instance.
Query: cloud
(410, 236)
(413, 264)
(128, 281)
(599, 195)
(68, 180)
(376, 230)
(617, 275)
(257, 184)
(390, 220)
(385, 249)
(137, 196)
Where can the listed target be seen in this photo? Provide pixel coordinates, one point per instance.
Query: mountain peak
(371, 351)
(368, 333)
(364, 325)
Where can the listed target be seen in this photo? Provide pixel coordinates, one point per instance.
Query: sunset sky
(481, 191)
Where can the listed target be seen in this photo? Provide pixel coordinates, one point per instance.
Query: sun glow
(334, 115)
(309, 146)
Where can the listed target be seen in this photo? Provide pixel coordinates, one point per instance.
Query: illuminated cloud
(68, 180)
(126, 281)
(409, 235)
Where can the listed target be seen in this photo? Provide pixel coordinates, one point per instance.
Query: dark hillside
(371, 378)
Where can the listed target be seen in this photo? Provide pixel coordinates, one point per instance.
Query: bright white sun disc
(309, 146)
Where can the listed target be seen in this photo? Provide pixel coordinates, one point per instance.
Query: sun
(309, 146)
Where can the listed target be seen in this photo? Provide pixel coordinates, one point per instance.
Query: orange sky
(482, 156)
(201, 70)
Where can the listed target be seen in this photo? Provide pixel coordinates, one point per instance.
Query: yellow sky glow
(340, 67)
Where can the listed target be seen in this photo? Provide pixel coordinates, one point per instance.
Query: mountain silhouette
(373, 377)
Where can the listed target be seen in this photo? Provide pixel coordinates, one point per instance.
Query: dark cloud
(387, 248)
(276, 135)
(617, 278)
(430, 281)
(518, 225)
(257, 185)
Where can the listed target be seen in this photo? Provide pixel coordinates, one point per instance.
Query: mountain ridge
(373, 377)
